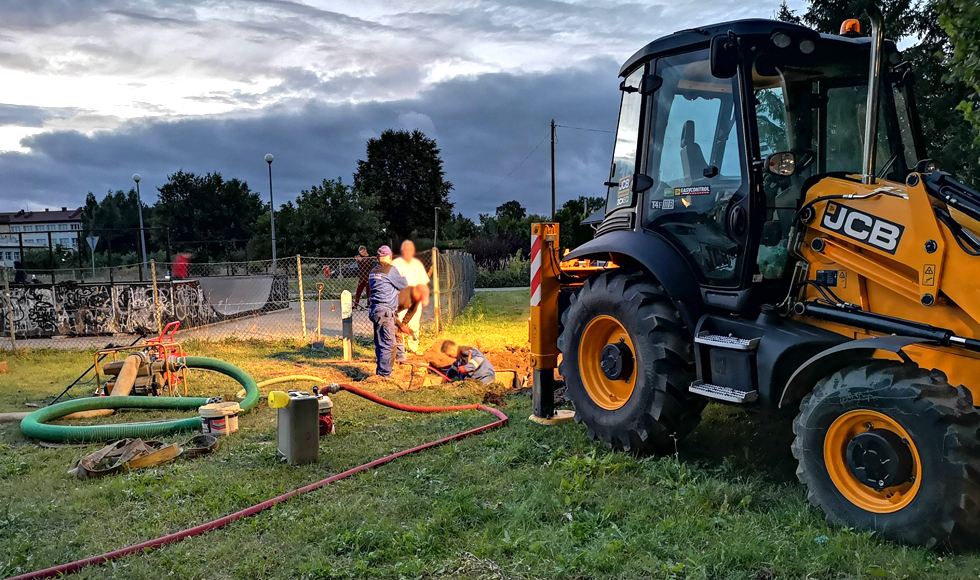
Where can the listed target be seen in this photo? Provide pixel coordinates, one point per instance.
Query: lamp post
(269, 158)
(139, 206)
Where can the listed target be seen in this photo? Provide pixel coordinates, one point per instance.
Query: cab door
(700, 199)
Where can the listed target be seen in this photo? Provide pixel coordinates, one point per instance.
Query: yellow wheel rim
(839, 435)
(605, 392)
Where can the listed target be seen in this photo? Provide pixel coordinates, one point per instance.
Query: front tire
(921, 433)
(646, 407)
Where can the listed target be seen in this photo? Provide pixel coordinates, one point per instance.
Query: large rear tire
(921, 433)
(646, 407)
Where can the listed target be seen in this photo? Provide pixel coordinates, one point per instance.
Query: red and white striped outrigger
(549, 278)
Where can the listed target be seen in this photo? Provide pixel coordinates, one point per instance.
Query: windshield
(817, 110)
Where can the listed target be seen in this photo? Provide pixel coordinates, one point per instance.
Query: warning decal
(929, 275)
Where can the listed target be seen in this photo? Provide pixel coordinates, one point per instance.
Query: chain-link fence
(293, 299)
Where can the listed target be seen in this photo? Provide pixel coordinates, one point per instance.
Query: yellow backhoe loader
(774, 236)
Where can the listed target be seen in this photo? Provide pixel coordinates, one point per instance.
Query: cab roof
(695, 38)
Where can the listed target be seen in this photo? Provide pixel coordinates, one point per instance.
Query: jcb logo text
(863, 227)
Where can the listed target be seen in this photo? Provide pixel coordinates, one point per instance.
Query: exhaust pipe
(874, 90)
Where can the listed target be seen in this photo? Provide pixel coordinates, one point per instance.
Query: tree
(569, 217)
(454, 232)
(949, 138)
(333, 219)
(115, 220)
(901, 16)
(206, 214)
(961, 21)
(511, 209)
(787, 14)
(403, 177)
(260, 246)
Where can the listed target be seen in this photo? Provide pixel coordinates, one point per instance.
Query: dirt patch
(492, 398)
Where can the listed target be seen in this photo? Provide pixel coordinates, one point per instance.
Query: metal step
(732, 342)
(721, 393)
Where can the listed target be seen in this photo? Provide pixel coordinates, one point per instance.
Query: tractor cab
(721, 129)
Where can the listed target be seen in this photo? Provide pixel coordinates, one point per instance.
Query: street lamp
(269, 158)
(139, 206)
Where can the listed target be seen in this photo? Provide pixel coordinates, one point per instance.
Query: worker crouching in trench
(469, 363)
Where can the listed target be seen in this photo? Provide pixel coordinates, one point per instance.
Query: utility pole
(552, 170)
(435, 232)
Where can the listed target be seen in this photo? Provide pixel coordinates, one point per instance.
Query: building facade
(27, 230)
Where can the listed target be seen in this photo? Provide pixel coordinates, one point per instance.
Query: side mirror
(724, 56)
(781, 164)
(650, 84)
(641, 182)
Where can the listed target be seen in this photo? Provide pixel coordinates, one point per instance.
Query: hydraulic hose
(35, 425)
(223, 521)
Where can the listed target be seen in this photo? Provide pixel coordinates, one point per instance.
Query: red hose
(220, 522)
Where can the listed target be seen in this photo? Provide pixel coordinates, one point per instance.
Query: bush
(507, 273)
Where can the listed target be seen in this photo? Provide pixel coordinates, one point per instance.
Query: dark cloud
(485, 126)
(30, 116)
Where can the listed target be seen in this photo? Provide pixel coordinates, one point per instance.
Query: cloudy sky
(96, 90)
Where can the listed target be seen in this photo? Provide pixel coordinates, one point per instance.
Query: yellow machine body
(926, 267)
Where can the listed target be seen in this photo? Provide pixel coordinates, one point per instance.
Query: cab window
(696, 162)
(624, 153)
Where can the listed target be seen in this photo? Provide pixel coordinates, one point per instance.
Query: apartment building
(23, 230)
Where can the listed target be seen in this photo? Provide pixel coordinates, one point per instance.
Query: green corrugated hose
(35, 424)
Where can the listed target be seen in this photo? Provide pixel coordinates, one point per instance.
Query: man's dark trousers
(384, 338)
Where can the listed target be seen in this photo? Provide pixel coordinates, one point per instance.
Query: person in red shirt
(365, 264)
(181, 266)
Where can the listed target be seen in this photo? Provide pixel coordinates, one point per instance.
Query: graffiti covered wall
(73, 309)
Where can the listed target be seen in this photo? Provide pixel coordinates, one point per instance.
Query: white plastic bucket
(219, 419)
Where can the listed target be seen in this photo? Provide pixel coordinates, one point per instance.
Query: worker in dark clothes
(365, 264)
(470, 363)
(409, 300)
(20, 275)
(384, 284)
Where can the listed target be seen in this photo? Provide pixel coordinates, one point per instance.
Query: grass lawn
(524, 501)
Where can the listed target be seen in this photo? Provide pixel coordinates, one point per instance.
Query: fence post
(302, 297)
(451, 289)
(156, 294)
(10, 309)
(436, 308)
(347, 324)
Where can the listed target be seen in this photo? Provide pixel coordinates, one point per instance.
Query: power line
(584, 129)
(514, 169)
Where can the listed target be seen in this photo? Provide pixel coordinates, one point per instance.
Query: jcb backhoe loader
(775, 236)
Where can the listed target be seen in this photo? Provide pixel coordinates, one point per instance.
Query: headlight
(781, 40)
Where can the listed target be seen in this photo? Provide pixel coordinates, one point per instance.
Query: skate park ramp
(234, 296)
